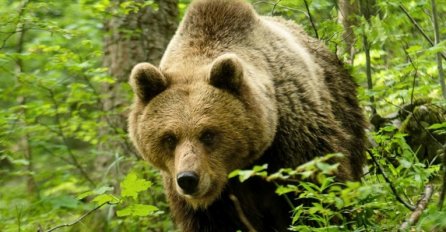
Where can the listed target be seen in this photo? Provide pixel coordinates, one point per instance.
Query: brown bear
(233, 90)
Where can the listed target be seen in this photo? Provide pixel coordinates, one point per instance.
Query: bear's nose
(188, 181)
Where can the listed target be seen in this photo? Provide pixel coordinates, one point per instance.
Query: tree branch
(414, 75)
(421, 206)
(64, 137)
(240, 213)
(311, 19)
(392, 187)
(19, 25)
(274, 7)
(125, 145)
(419, 28)
(79, 219)
(25, 141)
(276, 4)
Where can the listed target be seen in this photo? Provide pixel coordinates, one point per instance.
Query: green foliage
(246, 174)
(137, 210)
(327, 205)
(56, 163)
(438, 128)
(54, 129)
(131, 186)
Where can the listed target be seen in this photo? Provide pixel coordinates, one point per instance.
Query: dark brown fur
(234, 90)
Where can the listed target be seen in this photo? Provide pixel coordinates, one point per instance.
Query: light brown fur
(236, 89)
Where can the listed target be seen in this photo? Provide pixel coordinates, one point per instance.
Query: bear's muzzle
(188, 182)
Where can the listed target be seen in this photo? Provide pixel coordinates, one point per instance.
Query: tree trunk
(437, 41)
(24, 142)
(136, 37)
(367, 9)
(346, 16)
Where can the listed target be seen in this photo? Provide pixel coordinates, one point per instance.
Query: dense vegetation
(63, 155)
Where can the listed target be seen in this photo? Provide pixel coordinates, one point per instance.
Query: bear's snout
(188, 182)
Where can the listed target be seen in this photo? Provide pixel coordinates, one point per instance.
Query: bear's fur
(234, 90)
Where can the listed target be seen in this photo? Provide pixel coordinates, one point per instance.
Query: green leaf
(297, 212)
(132, 185)
(258, 170)
(327, 168)
(63, 202)
(137, 210)
(84, 195)
(405, 163)
(104, 198)
(286, 189)
(100, 190)
(437, 126)
(245, 174)
(234, 173)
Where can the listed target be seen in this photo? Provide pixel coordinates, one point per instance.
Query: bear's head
(197, 129)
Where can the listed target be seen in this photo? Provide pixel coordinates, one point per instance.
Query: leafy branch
(126, 146)
(389, 182)
(414, 22)
(62, 135)
(310, 17)
(19, 27)
(80, 218)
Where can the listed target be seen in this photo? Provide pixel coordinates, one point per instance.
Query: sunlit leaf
(139, 210)
(132, 185)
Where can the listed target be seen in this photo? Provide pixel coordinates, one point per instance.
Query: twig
(421, 206)
(240, 213)
(366, 11)
(369, 71)
(419, 28)
(274, 7)
(311, 19)
(124, 143)
(79, 219)
(392, 187)
(19, 24)
(414, 75)
(64, 138)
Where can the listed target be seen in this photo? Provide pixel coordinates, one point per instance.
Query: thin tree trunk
(346, 16)
(367, 10)
(368, 71)
(24, 142)
(133, 38)
(437, 41)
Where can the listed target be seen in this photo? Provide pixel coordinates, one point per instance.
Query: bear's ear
(227, 73)
(147, 81)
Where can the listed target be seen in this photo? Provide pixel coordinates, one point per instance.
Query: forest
(66, 161)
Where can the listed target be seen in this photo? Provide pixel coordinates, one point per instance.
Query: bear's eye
(169, 141)
(208, 137)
